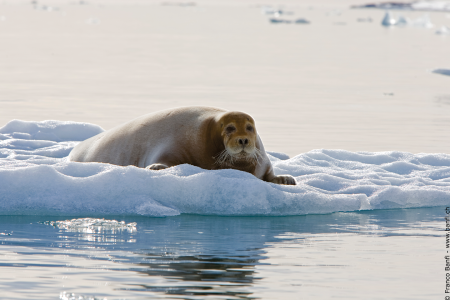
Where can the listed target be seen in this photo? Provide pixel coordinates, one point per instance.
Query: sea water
(360, 110)
(381, 254)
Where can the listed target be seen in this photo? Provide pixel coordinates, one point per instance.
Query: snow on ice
(37, 179)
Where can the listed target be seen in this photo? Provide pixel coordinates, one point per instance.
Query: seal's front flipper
(156, 167)
(284, 179)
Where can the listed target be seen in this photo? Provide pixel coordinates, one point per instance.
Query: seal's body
(210, 138)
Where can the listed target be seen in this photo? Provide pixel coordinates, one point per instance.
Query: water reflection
(206, 256)
(200, 275)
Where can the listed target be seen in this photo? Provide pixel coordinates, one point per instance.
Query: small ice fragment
(388, 20)
(442, 71)
(302, 21)
(423, 21)
(444, 30)
(277, 21)
(402, 21)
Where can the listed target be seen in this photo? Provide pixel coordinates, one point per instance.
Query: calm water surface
(386, 254)
(336, 83)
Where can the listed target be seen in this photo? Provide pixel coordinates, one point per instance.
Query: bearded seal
(207, 137)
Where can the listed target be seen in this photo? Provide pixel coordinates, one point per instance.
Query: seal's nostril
(241, 142)
(246, 142)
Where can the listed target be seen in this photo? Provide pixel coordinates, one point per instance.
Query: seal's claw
(156, 167)
(284, 179)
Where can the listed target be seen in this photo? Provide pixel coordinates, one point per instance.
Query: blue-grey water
(381, 254)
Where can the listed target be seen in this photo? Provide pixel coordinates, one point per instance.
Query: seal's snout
(243, 142)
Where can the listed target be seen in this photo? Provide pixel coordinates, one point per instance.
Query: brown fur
(210, 138)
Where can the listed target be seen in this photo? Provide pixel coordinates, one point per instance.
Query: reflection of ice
(72, 296)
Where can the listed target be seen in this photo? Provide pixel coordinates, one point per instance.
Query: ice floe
(37, 179)
(442, 71)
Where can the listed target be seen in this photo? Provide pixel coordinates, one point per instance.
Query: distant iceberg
(431, 5)
(37, 179)
(415, 5)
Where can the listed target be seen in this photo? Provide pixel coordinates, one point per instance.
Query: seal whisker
(223, 157)
(256, 156)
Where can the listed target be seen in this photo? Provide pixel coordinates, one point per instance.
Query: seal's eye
(230, 129)
(250, 128)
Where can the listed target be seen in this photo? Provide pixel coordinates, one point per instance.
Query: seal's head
(239, 137)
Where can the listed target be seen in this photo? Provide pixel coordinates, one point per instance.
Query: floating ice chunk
(402, 21)
(302, 21)
(444, 30)
(388, 20)
(278, 21)
(423, 21)
(442, 71)
(36, 178)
